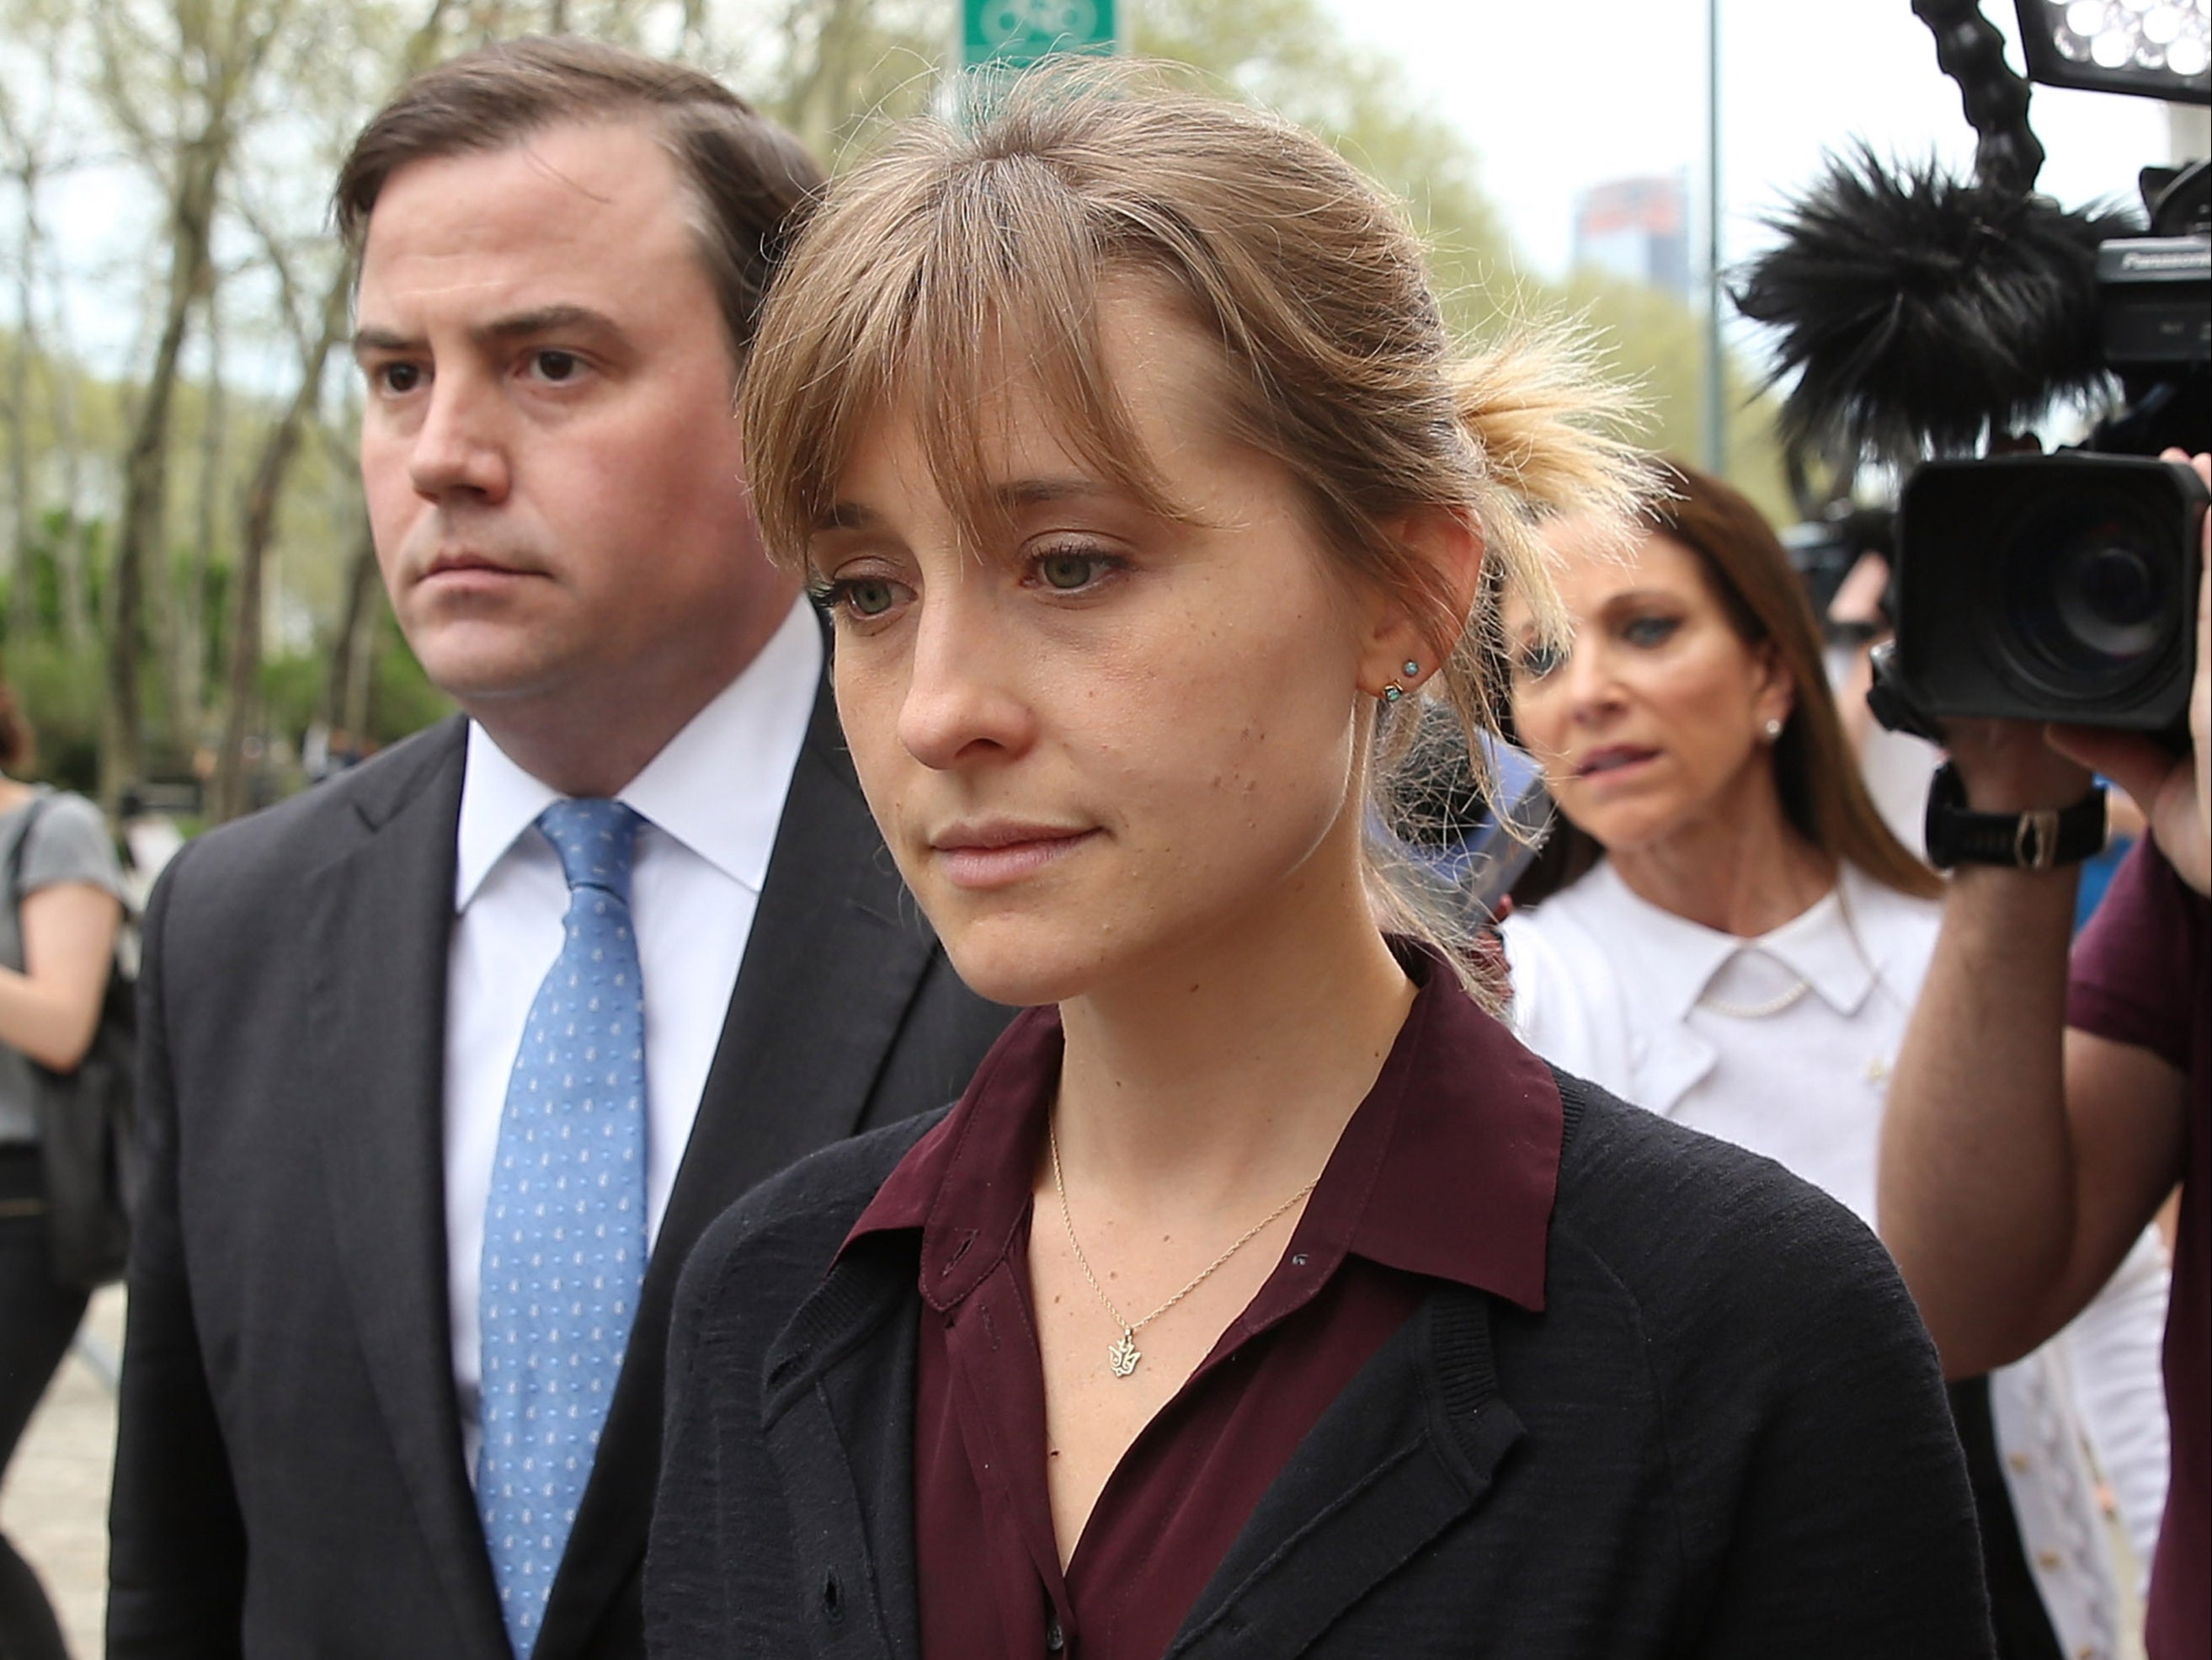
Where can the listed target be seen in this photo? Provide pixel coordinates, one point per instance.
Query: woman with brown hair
(57, 926)
(1262, 1296)
(1723, 930)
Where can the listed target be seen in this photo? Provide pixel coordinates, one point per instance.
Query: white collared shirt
(1660, 1010)
(711, 801)
(1617, 990)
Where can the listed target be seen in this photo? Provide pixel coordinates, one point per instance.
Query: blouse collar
(1677, 958)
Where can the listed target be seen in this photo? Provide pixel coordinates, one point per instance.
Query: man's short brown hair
(749, 181)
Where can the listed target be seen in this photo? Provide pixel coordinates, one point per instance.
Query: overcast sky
(1556, 96)
(1559, 94)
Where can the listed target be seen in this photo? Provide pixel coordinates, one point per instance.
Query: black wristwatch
(2039, 840)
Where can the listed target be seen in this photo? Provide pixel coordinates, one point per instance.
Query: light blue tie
(564, 1226)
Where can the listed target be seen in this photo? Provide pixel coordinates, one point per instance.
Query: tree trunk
(233, 779)
(362, 591)
(72, 550)
(188, 661)
(21, 590)
(146, 464)
(22, 575)
(369, 637)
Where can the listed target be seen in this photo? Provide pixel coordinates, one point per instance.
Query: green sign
(1015, 33)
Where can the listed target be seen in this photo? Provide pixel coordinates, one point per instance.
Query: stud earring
(1773, 729)
(1393, 692)
(1411, 668)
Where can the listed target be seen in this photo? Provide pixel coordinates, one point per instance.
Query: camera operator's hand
(2021, 1155)
(2171, 790)
(2010, 766)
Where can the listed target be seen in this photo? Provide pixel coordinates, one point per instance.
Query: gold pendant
(1124, 1355)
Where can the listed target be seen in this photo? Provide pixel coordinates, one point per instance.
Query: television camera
(1929, 320)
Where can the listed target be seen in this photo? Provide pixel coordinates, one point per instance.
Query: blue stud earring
(1393, 692)
(1411, 667)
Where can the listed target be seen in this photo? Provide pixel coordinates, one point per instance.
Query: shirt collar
(1448, 1168)
(718, 786)
(1675, 958)
(499, 801)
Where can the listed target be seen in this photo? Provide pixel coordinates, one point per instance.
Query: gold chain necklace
(1123, 1356)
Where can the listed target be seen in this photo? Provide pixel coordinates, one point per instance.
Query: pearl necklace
(1773, 1004)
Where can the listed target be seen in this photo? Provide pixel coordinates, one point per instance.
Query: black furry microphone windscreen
(1916, 311)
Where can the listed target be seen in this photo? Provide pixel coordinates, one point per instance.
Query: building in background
(1637, 229)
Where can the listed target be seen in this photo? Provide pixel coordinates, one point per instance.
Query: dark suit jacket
(1725, 1436)
(289, 1479)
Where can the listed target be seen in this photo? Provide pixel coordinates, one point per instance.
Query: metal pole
(1715, 412)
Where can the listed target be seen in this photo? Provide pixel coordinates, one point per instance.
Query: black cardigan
(1726, 1435)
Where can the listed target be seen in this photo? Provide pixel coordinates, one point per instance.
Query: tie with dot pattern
(564, 1223)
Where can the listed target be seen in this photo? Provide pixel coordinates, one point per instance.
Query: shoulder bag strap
(36, 805)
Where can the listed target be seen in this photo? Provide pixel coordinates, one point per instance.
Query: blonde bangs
(943, 288)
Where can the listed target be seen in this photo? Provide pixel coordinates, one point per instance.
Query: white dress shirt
(1663, 1011)
(711, 801)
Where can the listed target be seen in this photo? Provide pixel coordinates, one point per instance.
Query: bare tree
(24, 167)
(31, 152)
(353, 654)
(187, 664)
(72, 554)
(319, 335)
(207, 55)
(258, 528)
(843, 67)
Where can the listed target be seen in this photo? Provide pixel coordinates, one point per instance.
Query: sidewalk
(54, 1507)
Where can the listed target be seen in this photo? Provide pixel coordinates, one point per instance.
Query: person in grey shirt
(57, 932)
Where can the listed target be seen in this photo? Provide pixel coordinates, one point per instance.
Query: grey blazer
(289, 1477)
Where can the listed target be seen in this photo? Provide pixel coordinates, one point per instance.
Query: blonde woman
(1262, 1296)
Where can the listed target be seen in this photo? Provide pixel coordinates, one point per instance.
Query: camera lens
(2107, 595)
(2088, 602)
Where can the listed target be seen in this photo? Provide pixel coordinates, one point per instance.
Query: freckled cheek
(867, 709)
(1167, 778)
(1197, 721)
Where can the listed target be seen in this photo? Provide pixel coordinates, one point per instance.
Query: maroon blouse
(1446, 1171)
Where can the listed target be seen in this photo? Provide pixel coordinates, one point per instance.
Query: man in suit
(448, 1061)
